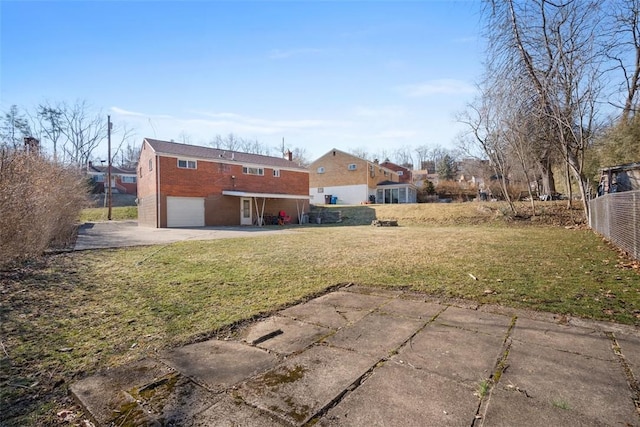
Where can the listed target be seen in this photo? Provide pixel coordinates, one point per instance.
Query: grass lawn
(71, 314)
(119, 213)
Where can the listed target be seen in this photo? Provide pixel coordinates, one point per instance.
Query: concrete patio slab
(378, 358)
(411, 308)
(588, 342)
(283, 335)
(464, 356)
(398, 395)
(105, 395)
(324, 315)
(376, 334)
(351, 300)
(592, 386)
(299, 388)
(229, 412)
(218, 365)
(508, 408)
(474, 320)
(630, 347)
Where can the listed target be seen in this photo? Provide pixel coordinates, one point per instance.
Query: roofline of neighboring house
(620, 168)
(356, 157)
(225, 160)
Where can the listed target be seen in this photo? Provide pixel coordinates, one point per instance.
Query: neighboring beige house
(339, 177)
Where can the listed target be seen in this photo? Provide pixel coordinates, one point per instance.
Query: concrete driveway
(117, 234)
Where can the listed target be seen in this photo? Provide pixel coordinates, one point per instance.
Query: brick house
(352, 180)
(182, 185)
(123, 180)
(404, 174)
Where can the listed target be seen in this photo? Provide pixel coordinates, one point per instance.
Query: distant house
(182, 185)
(404, 174)
(123, 180)
(616, 179)
(339, 177)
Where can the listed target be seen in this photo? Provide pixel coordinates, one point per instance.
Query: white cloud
(437, 87)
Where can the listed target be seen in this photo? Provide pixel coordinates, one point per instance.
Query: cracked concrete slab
(475, 320)
(105, 395)
(592, 386)
(398, 395)
(324, 315)
(351, 300)
(437, 348)
(219, 364)
(630, 348)
(229, 412)
(588, 342)
(367, 371)
(306, 383)
(376, 334)
(283, 335)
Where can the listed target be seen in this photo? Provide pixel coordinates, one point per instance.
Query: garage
(185, 212)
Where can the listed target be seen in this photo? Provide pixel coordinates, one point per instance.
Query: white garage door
(185, 212)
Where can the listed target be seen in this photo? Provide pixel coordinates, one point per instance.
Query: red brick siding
(208, 180)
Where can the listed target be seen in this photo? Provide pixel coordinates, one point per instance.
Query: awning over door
(265, 196)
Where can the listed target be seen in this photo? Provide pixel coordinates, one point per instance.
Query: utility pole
(109, 166)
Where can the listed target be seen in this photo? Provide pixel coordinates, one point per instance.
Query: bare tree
(551, 44)
(83, 131)
(49, 119)
(623, 48)
(402, 156)
(14, 128)
(485, 121)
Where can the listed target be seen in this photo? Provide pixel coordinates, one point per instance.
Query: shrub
(40, 203)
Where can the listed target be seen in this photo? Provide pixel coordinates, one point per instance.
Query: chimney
(289, 155)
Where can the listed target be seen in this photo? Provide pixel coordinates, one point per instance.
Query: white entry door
(245, 211)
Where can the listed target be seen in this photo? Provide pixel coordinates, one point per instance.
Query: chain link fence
(616, 216)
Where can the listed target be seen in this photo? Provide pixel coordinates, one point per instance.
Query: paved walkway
(117, 234)
(363, 357)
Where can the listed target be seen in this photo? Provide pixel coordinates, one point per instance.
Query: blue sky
(370, 75)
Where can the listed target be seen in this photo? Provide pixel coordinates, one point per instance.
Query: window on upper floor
(150, 164)
(320, 169)
(276, 173)
(252, 171)
(187, 164)
(352, 166)
(400, 173)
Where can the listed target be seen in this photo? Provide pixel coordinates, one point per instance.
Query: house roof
(114, 170)
(216, 154)
(397, 184)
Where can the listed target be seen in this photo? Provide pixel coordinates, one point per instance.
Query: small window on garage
(276, 173)
(187, 164)
(150, 164)
(352, 166)
(400, 173)
(320, 169)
